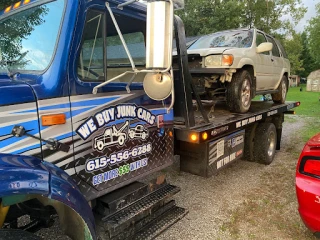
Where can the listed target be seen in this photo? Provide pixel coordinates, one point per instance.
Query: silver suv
(239, 63)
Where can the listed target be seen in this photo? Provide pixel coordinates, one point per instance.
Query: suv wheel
(280, 96)
(239, 92)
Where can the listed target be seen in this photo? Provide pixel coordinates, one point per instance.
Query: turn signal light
(26, 1)
(16, 5)
(227, 60)
(54, 119)
(312, 167)
(193, 137)
(7, 9)
(204, 136)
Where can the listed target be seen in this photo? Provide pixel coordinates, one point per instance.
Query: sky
(311, 12)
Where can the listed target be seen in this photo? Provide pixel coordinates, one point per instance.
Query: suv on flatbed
(241, 63)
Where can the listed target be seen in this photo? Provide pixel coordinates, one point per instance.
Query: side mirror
(264, 47)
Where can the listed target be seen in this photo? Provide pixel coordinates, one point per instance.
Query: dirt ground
(245, 201)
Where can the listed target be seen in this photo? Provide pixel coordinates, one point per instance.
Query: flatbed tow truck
(70, 70)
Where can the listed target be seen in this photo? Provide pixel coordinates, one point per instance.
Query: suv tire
(280, 96)
(239, 92)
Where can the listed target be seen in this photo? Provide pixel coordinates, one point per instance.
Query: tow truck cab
(53, 54)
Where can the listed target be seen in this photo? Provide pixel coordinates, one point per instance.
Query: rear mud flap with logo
(207, 159)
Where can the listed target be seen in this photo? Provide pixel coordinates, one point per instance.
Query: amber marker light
(7, 9)
(26, 2)
(171, 134)
(204, 136)
(16, 5)
(53, 119)
(227, 60)
(193, 137)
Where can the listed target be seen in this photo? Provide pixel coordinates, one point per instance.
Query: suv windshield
(237, 39)
(28, 38)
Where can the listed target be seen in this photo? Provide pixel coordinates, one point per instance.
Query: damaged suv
(239, 64)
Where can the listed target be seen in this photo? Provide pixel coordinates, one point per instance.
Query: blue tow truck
(87, 92)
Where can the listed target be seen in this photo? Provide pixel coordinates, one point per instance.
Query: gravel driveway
(245, 201)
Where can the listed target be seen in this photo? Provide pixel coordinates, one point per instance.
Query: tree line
(208, 16)
(276, 17)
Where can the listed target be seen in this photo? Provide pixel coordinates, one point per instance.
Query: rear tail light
(310, 166)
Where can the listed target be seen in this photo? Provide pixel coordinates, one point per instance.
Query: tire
(280, 96)
(100, 145)
(249, 143)
(239, 92)
(131, 134)
(265, 143)
(121, 140)
(143, 136)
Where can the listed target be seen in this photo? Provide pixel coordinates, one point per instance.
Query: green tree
(15, 29)
(294, 49)
(206, 16)
(267, 14)
(309, 64)
(314, 36)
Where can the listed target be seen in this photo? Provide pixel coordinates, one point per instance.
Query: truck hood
(14, 92)
(208, 51)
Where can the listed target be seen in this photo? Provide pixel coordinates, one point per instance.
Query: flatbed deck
(222, 121)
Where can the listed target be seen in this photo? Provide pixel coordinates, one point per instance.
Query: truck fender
(247, 61)
(24, 177)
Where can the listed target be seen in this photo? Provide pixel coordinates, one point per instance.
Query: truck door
(277, 63)
(119, 136)
(264, 66)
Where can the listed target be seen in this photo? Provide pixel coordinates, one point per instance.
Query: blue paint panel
(28, 175)
(94, 101)
(13, 93)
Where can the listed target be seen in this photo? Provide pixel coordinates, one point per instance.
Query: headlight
(218, 60)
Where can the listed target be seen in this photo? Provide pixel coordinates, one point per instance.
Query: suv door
(264, 67)
(117, 136)
(277, 63)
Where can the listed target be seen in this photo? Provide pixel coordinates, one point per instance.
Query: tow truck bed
(208, 147)
(222, 121)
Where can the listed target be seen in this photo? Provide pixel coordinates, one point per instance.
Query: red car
(308, 184)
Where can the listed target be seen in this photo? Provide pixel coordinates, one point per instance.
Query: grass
(310, 101)
(310, 104)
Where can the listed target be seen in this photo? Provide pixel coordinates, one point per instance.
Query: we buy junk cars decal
(127, 141)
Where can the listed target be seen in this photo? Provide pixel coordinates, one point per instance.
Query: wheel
(131, 134)
(143, 135)
(121, 140)
(249, 143)
(15, 234)
(100, 145)
(280, 96)
(239, 92)
(265, 142)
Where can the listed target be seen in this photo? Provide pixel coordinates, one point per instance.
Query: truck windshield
(237, 39)
(28, 38)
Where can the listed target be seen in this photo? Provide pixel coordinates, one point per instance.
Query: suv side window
(275, 49)
(91, 61)
(261, 39)
(284, 54)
